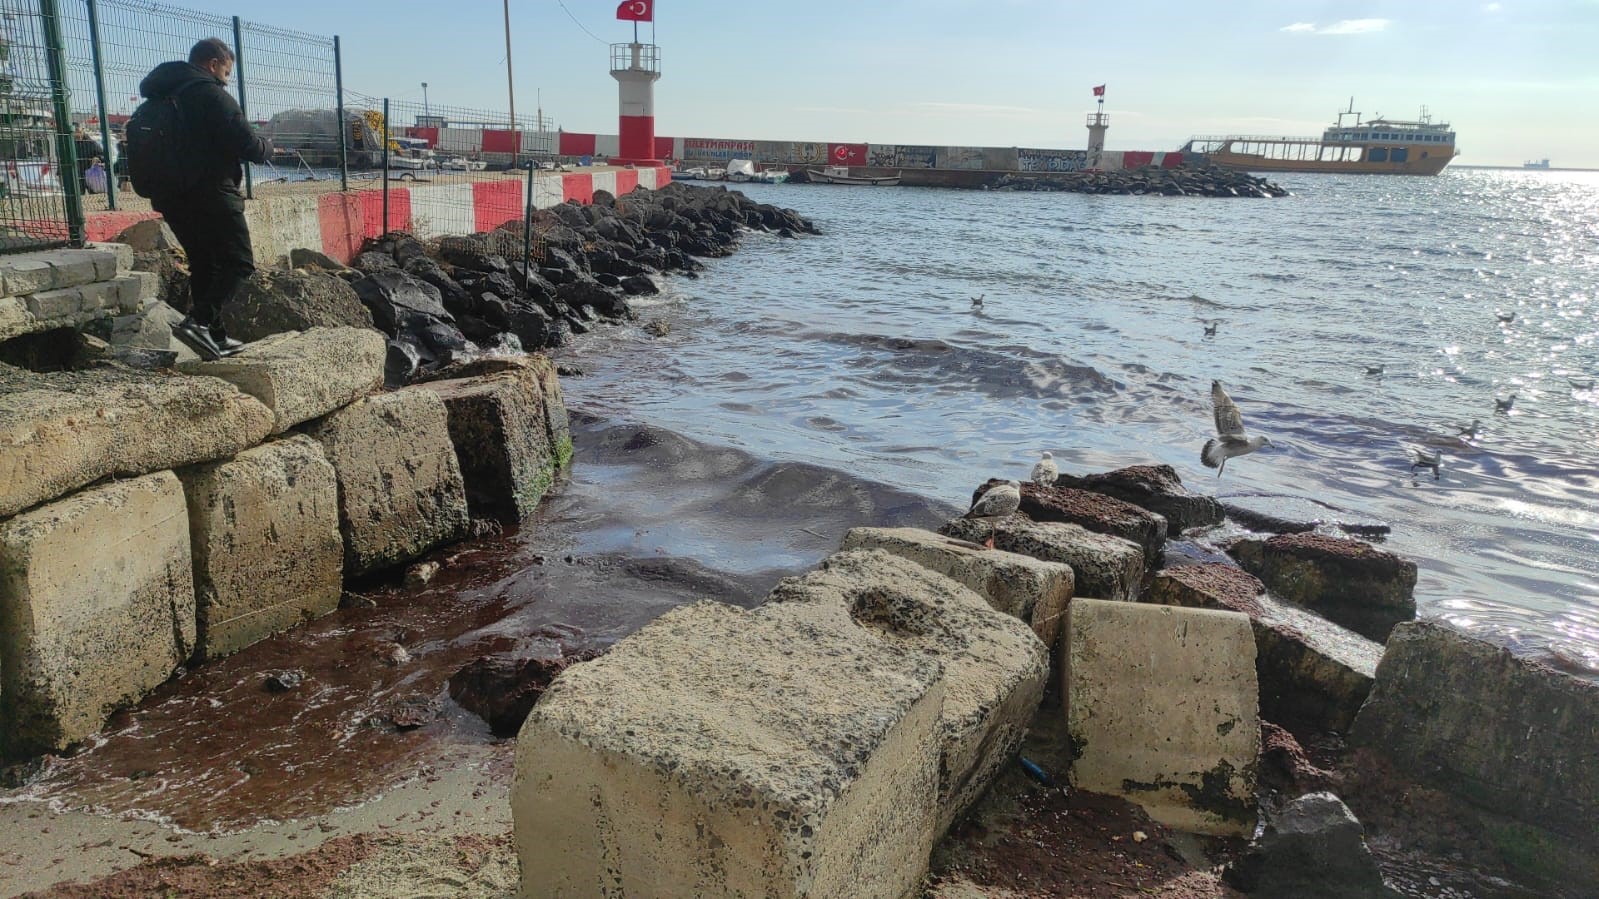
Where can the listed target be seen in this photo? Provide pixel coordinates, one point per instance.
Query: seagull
(1045, 472)
(1581, 385)
(977, 302)
(1471, 432)
(1376, 370)
(1230, 440)
(997, 501)
(1420, 458)
(1505, 317)
(1503, 405)
(1211, 326)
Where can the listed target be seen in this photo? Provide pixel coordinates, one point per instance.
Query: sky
(1518, 79)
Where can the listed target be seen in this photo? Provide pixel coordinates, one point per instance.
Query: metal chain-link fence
(33, 205)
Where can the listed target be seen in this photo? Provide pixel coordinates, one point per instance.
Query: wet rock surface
(502, 688)
(1314, 848)
(1156, 488)
(1352, 583)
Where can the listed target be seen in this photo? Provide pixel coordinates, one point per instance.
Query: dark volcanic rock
(1095, 512)
(397, 300)
(1510, 736)
(273, 302)
(501, 689)
(372, 262)
(1313, 848)
(1312, 672)
(1156, 488)
(1353, 583)
(586, 293)
(172, 274)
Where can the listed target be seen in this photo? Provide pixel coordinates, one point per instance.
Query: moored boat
(840, 174)
(1378, 146)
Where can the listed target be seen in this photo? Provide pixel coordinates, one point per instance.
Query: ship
(1350, 146)
(1535, 164)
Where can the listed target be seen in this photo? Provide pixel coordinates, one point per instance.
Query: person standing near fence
(186, 148)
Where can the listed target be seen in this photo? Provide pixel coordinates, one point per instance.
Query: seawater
(859, 349)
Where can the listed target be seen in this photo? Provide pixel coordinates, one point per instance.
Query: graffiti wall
(701, 148)
(915, 157)
(958, 158)
(1051, 160)
(847, 154)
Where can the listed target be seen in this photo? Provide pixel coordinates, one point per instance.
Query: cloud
(1343, 26)
(1492, 7)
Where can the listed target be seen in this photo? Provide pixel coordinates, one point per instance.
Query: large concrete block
(61, 431)
(305, 375)
(1363, 588)
(1030, 589)
(1507, 734)
(96, 608)
(501, 437)
(554, 408)
(1312, 672)
(995, 669)
(716, 753)
(1161, 707)
(1103, 566)
(267, 550)
(1097, 512)
(400, 487)
(65, 307)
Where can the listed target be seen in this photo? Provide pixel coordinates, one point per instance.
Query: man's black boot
(225, 345)
(197, 337)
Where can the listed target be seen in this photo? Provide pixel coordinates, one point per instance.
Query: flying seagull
(997, 501)
(1230, 440)
(1471, 432)
(1376, 370)
(1505, 317)
(1420, 458)
(1045, 472)
(1503, 405)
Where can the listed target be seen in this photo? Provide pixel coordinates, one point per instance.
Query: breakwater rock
(1179, 182)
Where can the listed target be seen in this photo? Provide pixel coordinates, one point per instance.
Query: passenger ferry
(1380, 146)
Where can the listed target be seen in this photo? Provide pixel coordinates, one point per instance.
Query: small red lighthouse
(636, 67)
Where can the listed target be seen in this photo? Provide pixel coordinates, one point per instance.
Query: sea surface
(860, 350)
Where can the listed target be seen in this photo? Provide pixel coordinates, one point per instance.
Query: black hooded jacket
(221, 135)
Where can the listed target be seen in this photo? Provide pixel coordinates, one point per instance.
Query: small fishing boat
(740, 170)
(840, 174)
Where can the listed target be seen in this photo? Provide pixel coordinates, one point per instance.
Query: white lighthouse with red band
(636, 67)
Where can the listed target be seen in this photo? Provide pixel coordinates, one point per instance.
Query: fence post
(238, 74)
(344, 127)
(66, 152)
(385, 228)
(527, 233)
(99, 98)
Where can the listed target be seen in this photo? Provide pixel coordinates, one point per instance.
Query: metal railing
(35, 158)
(636, 58)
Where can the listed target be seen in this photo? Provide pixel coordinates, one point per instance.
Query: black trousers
(209, 222)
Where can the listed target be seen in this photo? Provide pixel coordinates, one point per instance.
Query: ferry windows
(1399, 154)
(1377, 154)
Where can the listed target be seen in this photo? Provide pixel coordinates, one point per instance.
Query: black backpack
(161, 152)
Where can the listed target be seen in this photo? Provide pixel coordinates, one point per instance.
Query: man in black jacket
(209, 219)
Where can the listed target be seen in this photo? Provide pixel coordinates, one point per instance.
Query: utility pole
(510, 83)
(425, 110)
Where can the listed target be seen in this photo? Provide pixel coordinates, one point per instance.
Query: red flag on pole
(1099, 91)
(636, 11)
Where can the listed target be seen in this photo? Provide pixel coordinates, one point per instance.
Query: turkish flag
(636, 11)
(1099, 91)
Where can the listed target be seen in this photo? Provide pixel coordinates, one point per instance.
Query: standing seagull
(1230, 440)
(1420, 458)
(997, 501)
(1504, 405)
(1045, 472)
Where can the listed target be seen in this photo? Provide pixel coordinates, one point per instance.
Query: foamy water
(859, 350)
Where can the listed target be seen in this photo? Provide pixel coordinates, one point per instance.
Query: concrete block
(14, 318)
(59, 305)
(1029, 589)
(149, 287)
(96, 608)
(130, 291)
(400, 487)
(121, 253)
(716, 753)
(1097, 512)
(305, 375)
(1361, 587)
(1312, 672)
(554, 408)
(995, 668)
(61, 431)
(26, 274)
(1161, 707)
(1507, 734)
(267, 549)
(75, 268)
(501, 438)
(1103, 566)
